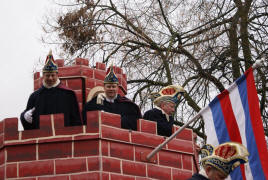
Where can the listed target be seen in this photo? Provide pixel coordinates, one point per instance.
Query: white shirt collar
(111, 100)
(54, 85)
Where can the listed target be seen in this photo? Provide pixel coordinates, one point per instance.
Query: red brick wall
(100, 150)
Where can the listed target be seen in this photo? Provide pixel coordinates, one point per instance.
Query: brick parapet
(100, 148)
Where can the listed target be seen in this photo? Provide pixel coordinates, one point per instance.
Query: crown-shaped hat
(110, 76)
(50, 64)
(225, 157)
(171, 93)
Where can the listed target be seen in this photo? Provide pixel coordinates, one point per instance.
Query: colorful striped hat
(50, 64)
(111, 78)
(225, 157)
(171, 93)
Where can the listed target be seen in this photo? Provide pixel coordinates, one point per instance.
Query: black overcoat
(164, 127)
(128, 110)
(59, 99)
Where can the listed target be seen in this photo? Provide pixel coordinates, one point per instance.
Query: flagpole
(257, 64)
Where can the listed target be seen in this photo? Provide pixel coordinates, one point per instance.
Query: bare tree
(202, 45)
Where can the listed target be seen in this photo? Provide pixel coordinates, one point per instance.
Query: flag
(234, 115)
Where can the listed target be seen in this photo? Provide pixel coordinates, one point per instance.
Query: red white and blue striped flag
(234, 115)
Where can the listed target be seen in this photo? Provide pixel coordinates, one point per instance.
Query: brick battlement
(98, 150)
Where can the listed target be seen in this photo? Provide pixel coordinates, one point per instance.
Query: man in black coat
(51, 98)
(166, 101)
(163, 115)
(110, 101)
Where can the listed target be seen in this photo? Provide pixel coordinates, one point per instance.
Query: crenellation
(44, 131)
(93, 122)
(186, 134)
(106, 119)
(146, 126)
(100, 66)
(81, 61)
(10, 129)
(118, 70)
(117, 153)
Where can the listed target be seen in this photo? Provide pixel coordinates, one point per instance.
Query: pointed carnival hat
(171, 93)
(111, 78)
(225, 157)
(50, 64)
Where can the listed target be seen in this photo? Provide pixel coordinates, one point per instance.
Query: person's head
(50, 70)
(50, 78)
(110, 90)
(110, 83)
(168, 98)
(220, 161)
(168, 107)
(214, 174)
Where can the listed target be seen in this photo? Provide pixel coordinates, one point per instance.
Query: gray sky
(21, 50)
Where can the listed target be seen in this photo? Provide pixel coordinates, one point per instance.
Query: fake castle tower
(101, 150)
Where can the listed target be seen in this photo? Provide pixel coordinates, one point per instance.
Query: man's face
(168, 108)
(214, 174)
(110, 90)
(50, 78)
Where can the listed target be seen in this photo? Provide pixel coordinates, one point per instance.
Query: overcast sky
(21, 50)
